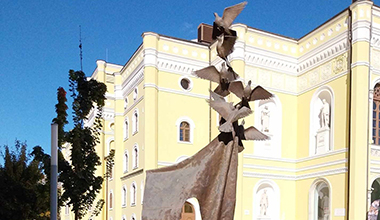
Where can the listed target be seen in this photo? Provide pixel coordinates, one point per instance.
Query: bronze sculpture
(211, 174)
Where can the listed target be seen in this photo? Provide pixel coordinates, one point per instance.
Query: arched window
(126, 103)
(135, 156)
(133, 194)
(184, 132)
(187, 211)
(319, 200)
(133, 217)
(135, 121)
(124, 218)
(124, 196)
(135, 94)
(376, 115)
(110, 200)
(321, 121)
(375, 194)
(126, 161)
(126, 129)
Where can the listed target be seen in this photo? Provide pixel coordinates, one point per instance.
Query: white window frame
(135, 156)
(124, 196)
(135, 93)
(192, 127)
(135, 125)
(126, 128)
(133, 193)
(126, 161)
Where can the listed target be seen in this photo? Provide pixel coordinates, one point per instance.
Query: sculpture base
(323, 140)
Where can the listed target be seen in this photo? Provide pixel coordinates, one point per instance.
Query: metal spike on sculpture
(211, 174)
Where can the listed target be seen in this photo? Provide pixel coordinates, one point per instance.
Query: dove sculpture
(246, 94)
(222, 24)
(225, 46)
(222, 77)
(229, 112)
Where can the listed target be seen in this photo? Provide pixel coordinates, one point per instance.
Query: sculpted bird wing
(260, 93)
(228, 44)
(232, 75)
(252, 133)
(209, 73)
(241, 113)
(237, 88)
(230, 13)
(222, 107)
(218, 90)
(216, 96)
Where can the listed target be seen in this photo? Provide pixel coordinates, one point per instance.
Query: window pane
(374, 124)
(373, 132)
(374, 105)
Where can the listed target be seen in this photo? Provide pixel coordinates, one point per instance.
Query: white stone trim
(295, 177)
(288, 160)
(181, 158)
(197, 209)
(178, 92)
(295, 170)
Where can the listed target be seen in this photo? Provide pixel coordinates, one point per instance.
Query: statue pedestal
(323, 140)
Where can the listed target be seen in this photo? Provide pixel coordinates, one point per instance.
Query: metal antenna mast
(80, 48)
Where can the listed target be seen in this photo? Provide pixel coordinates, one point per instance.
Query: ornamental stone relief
(326, 71)
(375, 153)
(376, 59)
(339, 64)
(264, 77)
(271, 79)
(302, 82)
(313, 77)
(278, 80)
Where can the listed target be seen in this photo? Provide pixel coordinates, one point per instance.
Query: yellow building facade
(323, 159)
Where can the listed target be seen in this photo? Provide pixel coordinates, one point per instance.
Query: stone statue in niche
(325, 114)
(264, 203)
(265, 116)
(325, 207)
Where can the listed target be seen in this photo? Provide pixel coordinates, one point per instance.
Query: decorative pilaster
(361, 20)
(150, 45)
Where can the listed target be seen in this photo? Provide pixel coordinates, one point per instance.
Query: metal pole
(53, 172)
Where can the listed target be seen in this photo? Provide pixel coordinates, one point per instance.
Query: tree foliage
(79, 181)
(24, 190)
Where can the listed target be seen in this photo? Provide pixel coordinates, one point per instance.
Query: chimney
(205, 33)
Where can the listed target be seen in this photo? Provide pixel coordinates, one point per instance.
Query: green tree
(79, 181)
(24, 192)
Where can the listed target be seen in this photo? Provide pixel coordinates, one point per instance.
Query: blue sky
(39, 44)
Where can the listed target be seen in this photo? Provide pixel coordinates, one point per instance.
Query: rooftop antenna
(80, 48)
